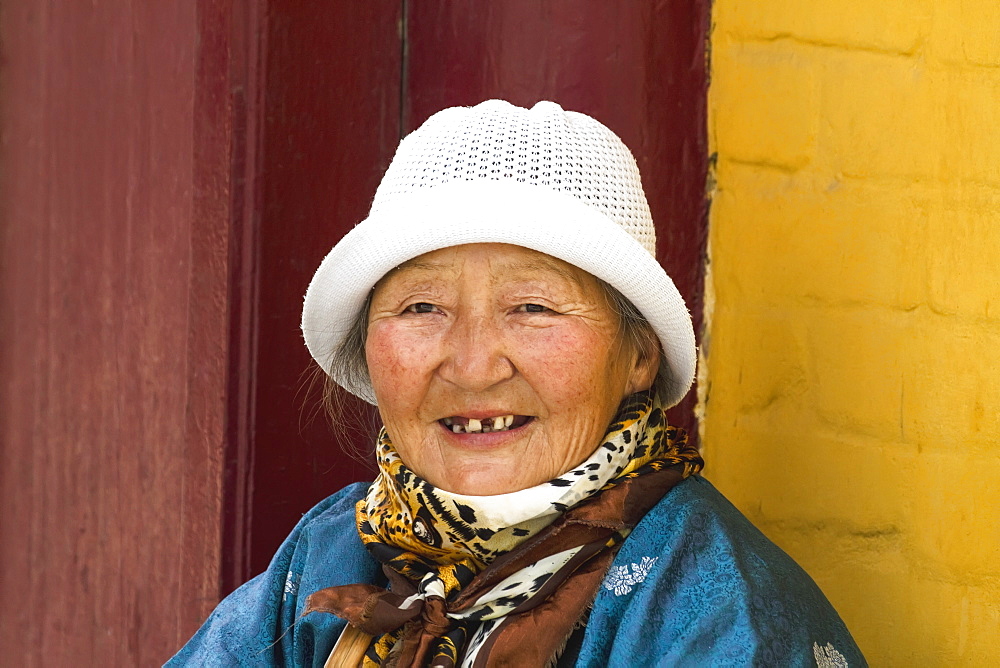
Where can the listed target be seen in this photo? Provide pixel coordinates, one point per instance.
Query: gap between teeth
(489, 425)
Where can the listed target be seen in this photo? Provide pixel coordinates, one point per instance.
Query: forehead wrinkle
(498, 270)
(417, 263)
(416, 266)
(539, 264)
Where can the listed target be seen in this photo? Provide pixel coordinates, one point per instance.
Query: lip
(482, 414)
(487, 440)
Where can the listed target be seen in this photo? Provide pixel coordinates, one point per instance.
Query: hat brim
(467, 212)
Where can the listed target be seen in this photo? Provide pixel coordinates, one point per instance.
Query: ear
(645, 365)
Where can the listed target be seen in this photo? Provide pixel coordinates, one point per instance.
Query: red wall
(330, 127)
(114, 229)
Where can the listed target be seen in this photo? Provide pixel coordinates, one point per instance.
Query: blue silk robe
(695, 584)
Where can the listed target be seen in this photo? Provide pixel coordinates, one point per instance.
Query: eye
(532, 308)
(419, 307)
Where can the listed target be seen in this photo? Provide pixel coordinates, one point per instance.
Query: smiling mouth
(464, 425)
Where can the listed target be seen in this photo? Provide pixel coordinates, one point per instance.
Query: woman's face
(496, 367)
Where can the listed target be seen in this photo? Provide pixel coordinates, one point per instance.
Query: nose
(476, 357)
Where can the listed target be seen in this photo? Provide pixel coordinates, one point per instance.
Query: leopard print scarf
(434, 543)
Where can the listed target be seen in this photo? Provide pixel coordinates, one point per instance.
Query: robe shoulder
(696, 584)
(260, 623)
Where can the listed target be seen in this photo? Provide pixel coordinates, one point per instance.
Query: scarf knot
(472, 598)
(435, 621)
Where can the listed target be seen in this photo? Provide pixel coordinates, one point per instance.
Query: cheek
(397, 359)
(382, 357)
(570, 366)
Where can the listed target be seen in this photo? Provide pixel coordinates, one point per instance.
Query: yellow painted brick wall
(851, 393)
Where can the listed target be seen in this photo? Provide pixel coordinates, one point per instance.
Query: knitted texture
(545, 146)
(554, 181)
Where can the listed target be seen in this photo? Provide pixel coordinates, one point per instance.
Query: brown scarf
(434, 611)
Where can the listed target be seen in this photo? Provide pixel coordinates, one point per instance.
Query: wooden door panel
(114, 225)
(330, 126)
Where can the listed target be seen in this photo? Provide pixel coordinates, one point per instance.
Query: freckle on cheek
(574, 355)
(388, 361)
(560, 367)
(380, 357)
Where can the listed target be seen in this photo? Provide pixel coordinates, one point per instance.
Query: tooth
(508, 420)
(498, 423)
(448, 422)
(458, 429)
(474, 425)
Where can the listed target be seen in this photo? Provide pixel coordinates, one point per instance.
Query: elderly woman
(502, 306)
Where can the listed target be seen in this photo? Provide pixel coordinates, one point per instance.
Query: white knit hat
(554, 181)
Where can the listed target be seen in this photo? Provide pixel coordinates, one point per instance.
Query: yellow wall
(852, 386)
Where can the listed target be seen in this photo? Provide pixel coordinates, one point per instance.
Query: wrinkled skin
(483, 330)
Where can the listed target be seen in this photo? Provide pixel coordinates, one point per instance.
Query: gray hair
(349, 362)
